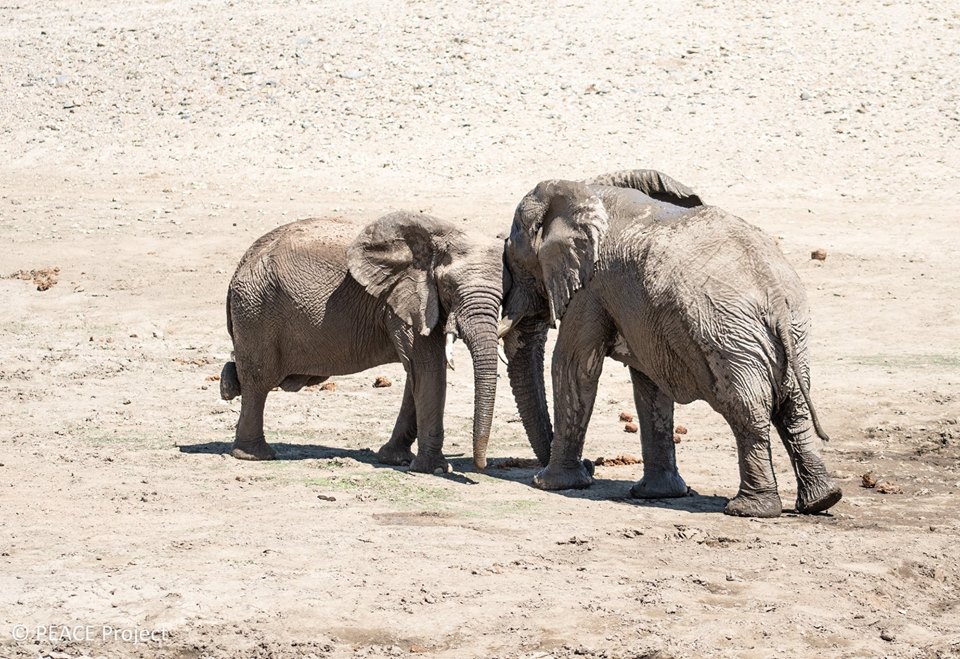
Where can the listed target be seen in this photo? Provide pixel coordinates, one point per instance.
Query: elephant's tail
(229, 316)
(790, 349)
(229, 382)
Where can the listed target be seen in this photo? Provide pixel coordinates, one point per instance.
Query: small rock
(631, 427)
(127, 401)
(818, 255)
(328, 386)
(680, 430)
(677, 439)
(868, 480)
(352, 75)
(213, 378)
(626, 417)
(157, 334)
(382, 382)
(887, 636)
(888, 487)
(807, 95)
(324, 497)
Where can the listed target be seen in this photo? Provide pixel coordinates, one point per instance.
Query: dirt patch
(619, 461)
(43, 278)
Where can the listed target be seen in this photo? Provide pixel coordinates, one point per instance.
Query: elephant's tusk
(448, 349)
(504, 327)
(502, 355)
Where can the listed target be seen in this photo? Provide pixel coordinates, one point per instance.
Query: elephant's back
(709, 284)
(296, 264)
(316, 238)
(708, 259)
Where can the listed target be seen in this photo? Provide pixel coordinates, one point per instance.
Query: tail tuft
(229, 382)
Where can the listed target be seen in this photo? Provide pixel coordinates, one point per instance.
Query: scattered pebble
(631, 427)
(382, 382)
(887, 636)
(680, 430)
(324, 497)
(868, 480)
(818, 255)
(677, 439)
(626, 417)
(328, 386)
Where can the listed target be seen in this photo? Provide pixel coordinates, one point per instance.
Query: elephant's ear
(395, 257)
(560, 226)
(651, 183)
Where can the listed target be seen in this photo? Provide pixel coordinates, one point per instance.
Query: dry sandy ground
(146, 144)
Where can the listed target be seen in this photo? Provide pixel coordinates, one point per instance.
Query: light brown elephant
(306, 303)
(698, 303)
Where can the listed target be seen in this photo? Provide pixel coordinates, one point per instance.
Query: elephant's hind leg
(758, 495)
(397, 450)
(661, 479)
(816, 491)
(256, 378)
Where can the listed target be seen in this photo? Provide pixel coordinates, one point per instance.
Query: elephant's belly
(658, 361)
(329, 358)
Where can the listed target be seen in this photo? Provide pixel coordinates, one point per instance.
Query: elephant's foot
(253, 450)
(428, 463)
(818, 496)
(753, 504)
(553, 477)
(659, 484)
(394, 454)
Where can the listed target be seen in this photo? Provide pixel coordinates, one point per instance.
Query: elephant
(699, 304)
(306, 304)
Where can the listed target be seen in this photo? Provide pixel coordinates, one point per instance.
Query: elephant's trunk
(525, 345)
(477, 323)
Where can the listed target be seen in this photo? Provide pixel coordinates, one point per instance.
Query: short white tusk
(502, 355)
(448, 349)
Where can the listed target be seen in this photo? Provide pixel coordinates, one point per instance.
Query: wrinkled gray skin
(697, 303)
(305, 305)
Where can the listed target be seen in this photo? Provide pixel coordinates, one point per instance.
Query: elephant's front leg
(577, 363)
(655, 417)
(397, 450)
(427, 378)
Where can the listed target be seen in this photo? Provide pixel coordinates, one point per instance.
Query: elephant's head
(426, 270)
(554, 244)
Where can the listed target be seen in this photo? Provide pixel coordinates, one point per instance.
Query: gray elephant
(305, 304)
(698, 303)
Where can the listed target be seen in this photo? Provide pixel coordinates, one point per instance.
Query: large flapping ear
(652, 183)
(557, 230)
(396, 257)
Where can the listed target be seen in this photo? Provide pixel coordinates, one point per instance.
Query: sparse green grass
(386, 485)
(908, 361)
(499, 509)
